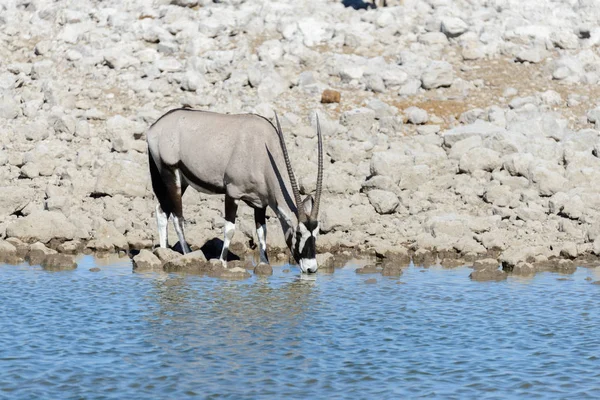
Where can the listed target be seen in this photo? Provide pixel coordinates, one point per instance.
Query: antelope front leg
(261, 232)
(162, 220)
(229, 228)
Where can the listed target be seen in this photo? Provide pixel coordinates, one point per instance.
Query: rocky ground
(465, 128)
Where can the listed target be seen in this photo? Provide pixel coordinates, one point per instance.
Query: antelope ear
(307, 204)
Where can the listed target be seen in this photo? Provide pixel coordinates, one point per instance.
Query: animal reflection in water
(242, 156)
(227, 307)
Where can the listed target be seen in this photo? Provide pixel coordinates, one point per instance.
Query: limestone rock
(59, 262)
(38, 253)
(383, 201)
(488, 274)
(123, 177)
(8, 253)
(194, 263)
(416, 115)
(42, 226)
(165, 255)
(534, 55)
(263, 269)
(13, 199)
(437, 74)
(145, 260)
(453, 26)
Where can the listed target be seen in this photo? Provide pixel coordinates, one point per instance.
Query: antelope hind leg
(231, 206)
(261, 232)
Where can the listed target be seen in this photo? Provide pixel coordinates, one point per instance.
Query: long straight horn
(288, 164)
(315, 209)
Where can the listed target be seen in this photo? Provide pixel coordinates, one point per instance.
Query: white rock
(533, 55)
(479, 159)
(118, 59)
(437, 74)
(169, 65)
(271, 87)
(13, 199)
(453, 26)
(314, 31)
(416, 115)
(384, 202)
(42, 226)
(122, 177)
(564, 39)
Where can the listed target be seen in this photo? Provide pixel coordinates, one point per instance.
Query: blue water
(431, 333)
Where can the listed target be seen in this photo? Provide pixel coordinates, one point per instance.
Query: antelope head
(304, 234)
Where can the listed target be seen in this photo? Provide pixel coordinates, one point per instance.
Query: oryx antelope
(242, 156)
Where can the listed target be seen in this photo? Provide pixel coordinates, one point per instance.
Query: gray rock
(8, 253)
(500, 195)
(548, 181)
(416, 115)
(460, 148)
(375, 83)
(118, 59)
(165, 255)
(42, 226)
(453, 26)
(533, 55)
(478, 128)
(410, 88)
(450, 225)
(122, 177)
(433, 38)
(263, 269)
(469, 117)
(71, 247)
(272, 86)
(516, 255)
(37, 253)
(315, 31)
(486, 263)
(488, 274)
(390, 164)
(59, 262)
(523, 269)
(14, 199)
(194, 262)
(437, 74)
(146, 261)
(335, 218)
(360, 118)
(564, 39)
(383, 201)
(9, 108)
(479, 159)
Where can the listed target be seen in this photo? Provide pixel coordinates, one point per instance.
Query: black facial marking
(310, 248)
(311, 225)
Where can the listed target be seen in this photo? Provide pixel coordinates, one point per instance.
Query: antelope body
(242, 156)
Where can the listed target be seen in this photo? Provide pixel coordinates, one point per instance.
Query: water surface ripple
(432, 333)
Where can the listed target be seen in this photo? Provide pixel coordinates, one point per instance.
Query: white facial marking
(308, 265)
(161, 222)
(305, 234)
(315, 232)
